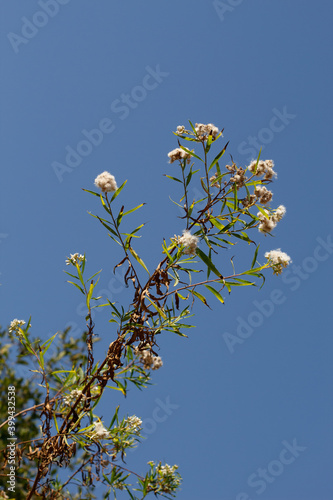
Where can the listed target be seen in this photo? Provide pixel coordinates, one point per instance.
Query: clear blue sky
(238, 64)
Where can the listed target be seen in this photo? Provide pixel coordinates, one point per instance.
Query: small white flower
(100, 431)
(74, 259)
(157, 362)
(280, 212)
(264, 167)
(148, 359)
(179, 154)
(181, 129)
(15, 324)
(263, 194)
(73, 396)
(133, 424)
(189, 241)
(278, 260)
(204, 130)
(106, 182)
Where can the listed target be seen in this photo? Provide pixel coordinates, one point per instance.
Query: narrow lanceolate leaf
(209, 143)
(262, 211)
(216, 159)
(203, 185)
(91, 289)
(120, 215)
(173, 178)
(77, 286)
(48, 343)
(191, 153)
(235, 197)
(119, 190)
(255, 257)
(91, 192)
(255, 169)
(158, 309)
(135, 255)
(133, 209)
(201, 297)
(104, 204)
(106, 225)
(208, 262)
(216, 293)
(216, 223)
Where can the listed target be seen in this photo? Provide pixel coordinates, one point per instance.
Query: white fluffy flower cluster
(106, 182)
(179, 154)
(189, 241)
(3, 495)
(204, 131)
(15, 324)
(263, 194)
(74, 259)
(132, 424)
(181, 130)
(100, 432)
(267, 224)
(278, 260)
(148, 359)
(167, 476)
(264, 167)
(213, 182)
(73, 396)
(239, 178)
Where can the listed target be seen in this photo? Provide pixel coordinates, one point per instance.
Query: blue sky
(263, 71)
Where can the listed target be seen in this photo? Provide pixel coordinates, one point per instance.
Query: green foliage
(61, 398)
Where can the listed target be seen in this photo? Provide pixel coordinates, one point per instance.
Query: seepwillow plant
(234, 201)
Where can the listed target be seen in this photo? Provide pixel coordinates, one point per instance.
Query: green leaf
(255, 169)
(77, 286)
(48, 343)
(133, 209)
(201, 297)
(135, 255)
(208, 262)
(203, 185)
(262, 211)
(235, 197)
(255, 257)
(216, 223)
(191, 153)
(173, 178)
(91, 192)
(208, 143)
(215, 292)
(217, 157)
(158, 309)
(119, 190)
(90, 292)
(120, 216)
(193, 128)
